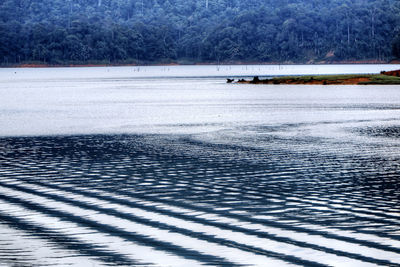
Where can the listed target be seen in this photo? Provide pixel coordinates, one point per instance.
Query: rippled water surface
(171, 166)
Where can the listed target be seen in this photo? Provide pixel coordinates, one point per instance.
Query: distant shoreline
(344, 62)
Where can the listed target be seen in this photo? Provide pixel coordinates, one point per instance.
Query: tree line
(187, 31)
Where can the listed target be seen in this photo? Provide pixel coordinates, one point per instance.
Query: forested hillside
(161, 31)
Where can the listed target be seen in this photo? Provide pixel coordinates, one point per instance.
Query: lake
(172, 166)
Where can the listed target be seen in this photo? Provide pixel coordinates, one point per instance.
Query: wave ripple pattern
(180, 200)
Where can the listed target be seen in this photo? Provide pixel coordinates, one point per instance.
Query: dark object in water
(230, 80)
(255, 80)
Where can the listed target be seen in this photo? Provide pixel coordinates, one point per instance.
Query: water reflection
(204, 202)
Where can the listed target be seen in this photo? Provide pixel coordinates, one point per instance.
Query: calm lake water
(171, 166)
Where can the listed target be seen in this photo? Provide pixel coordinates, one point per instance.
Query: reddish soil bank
(392, 73)
(349, 81)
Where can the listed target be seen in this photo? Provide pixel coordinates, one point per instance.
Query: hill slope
(66, 31)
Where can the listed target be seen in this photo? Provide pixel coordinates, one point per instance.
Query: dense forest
(187, 31)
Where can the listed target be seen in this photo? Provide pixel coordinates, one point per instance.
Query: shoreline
(238, 63)
(385, 78)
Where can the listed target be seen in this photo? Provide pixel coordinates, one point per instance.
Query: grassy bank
(361, 79)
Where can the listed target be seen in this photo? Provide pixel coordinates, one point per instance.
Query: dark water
(99, 197)
(197, 172)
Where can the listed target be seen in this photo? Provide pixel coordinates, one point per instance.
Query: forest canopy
(188, 31)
